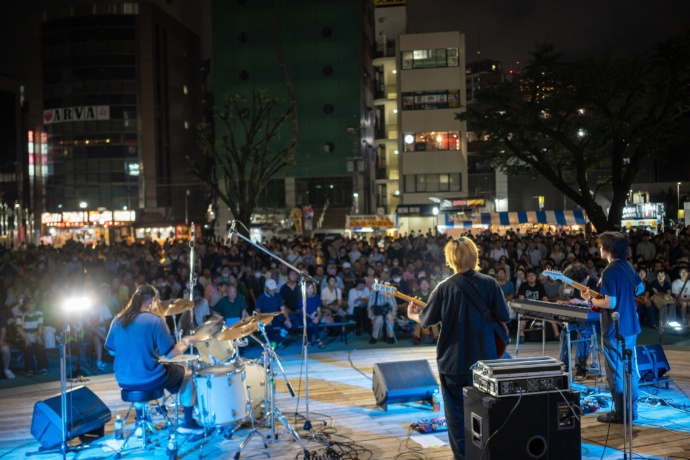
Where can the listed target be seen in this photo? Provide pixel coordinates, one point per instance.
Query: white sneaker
(9, 374)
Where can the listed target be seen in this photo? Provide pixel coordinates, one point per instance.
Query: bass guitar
(558, 276)
(391, 291)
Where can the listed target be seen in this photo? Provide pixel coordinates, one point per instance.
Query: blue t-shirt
(508, 288)
(269, 304)
(313, 303)
(620, 282)
(137, 349)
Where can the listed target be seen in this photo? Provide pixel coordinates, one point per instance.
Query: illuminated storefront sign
(81, 218)
(389, 2)
(374, 221)
(69, 114)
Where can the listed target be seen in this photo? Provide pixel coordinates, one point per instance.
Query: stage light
(76, 304)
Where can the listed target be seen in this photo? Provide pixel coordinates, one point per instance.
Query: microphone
(616, 316)
(228, 240)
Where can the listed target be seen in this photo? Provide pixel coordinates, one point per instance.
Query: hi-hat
(236, 333)
(176, 307)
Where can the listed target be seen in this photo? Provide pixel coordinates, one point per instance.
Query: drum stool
(140, 399)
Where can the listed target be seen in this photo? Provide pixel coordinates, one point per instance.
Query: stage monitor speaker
(403, 381)
(651, 361)
(529, 427)
(86, 413)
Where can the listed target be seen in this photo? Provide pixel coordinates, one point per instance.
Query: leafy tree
(565, 120)
(248, 153)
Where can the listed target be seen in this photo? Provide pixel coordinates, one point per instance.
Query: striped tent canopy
(486, 219)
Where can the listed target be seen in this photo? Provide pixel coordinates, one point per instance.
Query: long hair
(462, 255)
(144, 293)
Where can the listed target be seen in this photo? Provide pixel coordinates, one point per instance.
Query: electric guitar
(556, 275)
(391, 291)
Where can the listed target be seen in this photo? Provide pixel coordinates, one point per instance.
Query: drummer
(138, 338)
(231, 305)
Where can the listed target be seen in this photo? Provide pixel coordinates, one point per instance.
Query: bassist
(467, 336)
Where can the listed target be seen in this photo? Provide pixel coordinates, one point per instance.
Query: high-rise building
(114, 100)
(432, 142)
(326, 48)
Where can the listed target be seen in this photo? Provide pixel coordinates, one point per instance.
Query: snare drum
(221, 393)
(189, 361)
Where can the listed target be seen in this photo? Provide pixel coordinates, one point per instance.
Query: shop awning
(487, 219)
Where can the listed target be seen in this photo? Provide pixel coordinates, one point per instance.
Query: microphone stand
(305, 277)
(626, 354)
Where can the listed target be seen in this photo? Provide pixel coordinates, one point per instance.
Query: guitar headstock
(555, 275)
(385, 289)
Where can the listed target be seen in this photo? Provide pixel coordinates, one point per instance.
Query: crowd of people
(43, 287)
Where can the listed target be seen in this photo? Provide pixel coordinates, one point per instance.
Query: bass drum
(221, 393)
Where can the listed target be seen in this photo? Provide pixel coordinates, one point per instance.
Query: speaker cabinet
(86, 413)
(539, 426)
(652, 362)
(403, 381)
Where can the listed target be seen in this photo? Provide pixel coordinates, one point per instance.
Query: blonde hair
(462, 255)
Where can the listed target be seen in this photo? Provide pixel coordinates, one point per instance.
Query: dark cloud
(507, 29)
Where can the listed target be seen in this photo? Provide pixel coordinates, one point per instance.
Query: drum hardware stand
(273, 412)
(304, 278)
(626, 354)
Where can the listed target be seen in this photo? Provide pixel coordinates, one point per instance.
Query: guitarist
(467, 336)
(619, 286)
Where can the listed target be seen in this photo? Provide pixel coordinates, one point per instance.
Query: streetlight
(678, 199)
(356, 200)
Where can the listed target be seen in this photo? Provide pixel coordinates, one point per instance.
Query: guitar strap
(475, 299)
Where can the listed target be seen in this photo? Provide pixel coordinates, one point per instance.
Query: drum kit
(232, 391)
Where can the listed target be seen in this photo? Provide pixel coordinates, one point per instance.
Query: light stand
(305, 277)
(64, 449)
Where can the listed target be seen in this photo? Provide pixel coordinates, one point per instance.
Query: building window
(430, 100)
(430, 58)
(429, 183)
(433, 140)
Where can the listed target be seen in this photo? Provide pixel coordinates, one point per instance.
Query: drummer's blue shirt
(137, 349)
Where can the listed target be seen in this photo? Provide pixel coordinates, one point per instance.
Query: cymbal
(236, 333)
(265, 317)
(176, 307)
(241, 323)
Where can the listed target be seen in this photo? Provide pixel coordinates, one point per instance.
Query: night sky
(506, 30)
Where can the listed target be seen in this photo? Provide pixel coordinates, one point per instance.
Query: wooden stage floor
(342, 407)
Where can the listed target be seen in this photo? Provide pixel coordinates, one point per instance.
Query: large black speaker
(403, 381)
(538, 426)
(651, 361)
(86, 413)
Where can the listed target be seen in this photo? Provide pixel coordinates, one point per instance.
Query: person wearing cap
(29, 327)
(348, 277)
(271, 302)
(681, 291)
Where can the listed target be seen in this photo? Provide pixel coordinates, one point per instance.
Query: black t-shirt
(532, 293)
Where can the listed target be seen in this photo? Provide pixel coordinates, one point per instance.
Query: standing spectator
(30, 332)
(646, 248)
(4, 347)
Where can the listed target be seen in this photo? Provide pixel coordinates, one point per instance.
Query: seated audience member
(271, 302)
(357, 301)
(423, 294)
(663, 299)
(231, 305)
(332, 301)
(681, 291)
(96, 329)
(645, 307)
(382, 308)
(313, 311)
(29, 327)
